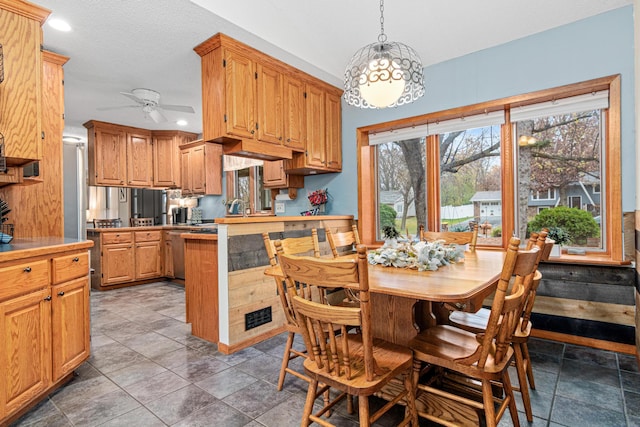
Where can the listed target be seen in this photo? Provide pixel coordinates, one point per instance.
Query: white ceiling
(118, 45)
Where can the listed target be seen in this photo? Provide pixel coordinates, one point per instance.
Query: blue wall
(595, 47)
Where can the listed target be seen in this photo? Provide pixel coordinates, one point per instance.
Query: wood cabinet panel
(185, 173)
(25, 356)
(118, 263)
(139, 160)
(270, 122)
(117, 237)
(166, 162)
(197, 168)
(21, 90)
(240, 94)
(70, 325)
(168, 258)
(148, 236)
(69, 267)
(274, 176)
(22, 278)
(201, 168)
(148, 263)
(107, 155)
(294, 114)
(316, 127)
(333, 126)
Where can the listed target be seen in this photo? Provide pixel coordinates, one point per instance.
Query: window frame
(366, 167)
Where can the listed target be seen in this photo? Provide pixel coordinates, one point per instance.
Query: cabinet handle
(47, 298)
(279, 138)
(61, 293)
(27, 270)
(252, 132)
(288, 139)
(76, 259)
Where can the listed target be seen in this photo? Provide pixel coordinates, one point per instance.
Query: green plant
(496, 232)
(559, 235)
(390, 232)
(459, 227)
(578, 224)
(387, 216)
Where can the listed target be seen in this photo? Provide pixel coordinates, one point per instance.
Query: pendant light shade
(383, 74)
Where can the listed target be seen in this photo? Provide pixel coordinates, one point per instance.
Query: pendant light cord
(382, 37)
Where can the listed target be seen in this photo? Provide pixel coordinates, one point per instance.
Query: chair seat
(391, 360)
(477, 323)
(444, 345)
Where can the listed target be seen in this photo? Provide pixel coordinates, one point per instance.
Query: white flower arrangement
(422, 256)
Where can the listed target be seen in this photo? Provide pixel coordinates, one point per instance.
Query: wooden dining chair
(353, 363)
(458, 237)
(341, 239)
(483, 357)
(141, 222)
(292, 245)
(477, 323)
(106, 223)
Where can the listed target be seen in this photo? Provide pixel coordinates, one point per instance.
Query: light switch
(279, 207)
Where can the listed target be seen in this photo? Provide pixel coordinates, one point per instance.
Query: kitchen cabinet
(257, 106)
(201, 165)
(323, 152)
(166, 157)
(117, 263)
(44, 324)
(21, 90)
(139, 158)
(148, 254)
(274, 176)
(167, 255)
(107, 153)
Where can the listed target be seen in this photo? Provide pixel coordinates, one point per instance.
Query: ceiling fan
(149, 101)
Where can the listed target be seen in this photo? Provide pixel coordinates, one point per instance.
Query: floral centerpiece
(421, 256)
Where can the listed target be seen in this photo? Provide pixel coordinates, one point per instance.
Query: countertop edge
(27, 248)
(258, 219)
(199, 236)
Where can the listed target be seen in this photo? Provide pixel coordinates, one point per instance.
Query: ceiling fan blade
(157, 116)
(181, 108)
(132, 97)
(117, 108)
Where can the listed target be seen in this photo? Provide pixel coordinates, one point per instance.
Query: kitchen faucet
(241, 205)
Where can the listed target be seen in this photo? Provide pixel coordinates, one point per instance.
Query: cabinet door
(139, 160)
(168, 258)
(185, 173)
(148, 263)
(240, 94)
(117, 263)
(333, 132)
(316, 124)
(197, 170)
(166, 165)
(269, 97)
(294, 114)
(70, 325)
(20, 92)
(273, 174)
(110, 156)
(25, 334)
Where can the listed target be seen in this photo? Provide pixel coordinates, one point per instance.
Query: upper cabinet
(122, 156)
(21, 89)
(166, 157)
(201, 165)
(256, 106)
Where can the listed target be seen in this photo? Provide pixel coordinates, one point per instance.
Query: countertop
(151, 227)
(257, 219)
(23, 248)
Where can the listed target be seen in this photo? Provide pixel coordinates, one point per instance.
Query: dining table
(405, 301)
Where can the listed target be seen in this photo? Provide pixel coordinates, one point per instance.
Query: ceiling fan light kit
(383, 74)
(149, 101)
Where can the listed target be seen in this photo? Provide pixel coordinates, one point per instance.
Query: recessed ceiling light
(182, 122)
(59, 24)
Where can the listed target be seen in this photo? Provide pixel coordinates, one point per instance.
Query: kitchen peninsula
(229, 299)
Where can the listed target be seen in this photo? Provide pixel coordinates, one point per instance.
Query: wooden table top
(476, 274)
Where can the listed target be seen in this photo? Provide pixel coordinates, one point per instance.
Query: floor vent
(257, 318)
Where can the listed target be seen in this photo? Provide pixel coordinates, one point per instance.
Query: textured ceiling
(119, 45)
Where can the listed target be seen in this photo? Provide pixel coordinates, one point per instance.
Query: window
(559, 153)
(245, 181)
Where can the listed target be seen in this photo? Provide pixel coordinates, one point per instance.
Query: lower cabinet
(169, 270)
(44, 326)
(148, 263)
(117, 263)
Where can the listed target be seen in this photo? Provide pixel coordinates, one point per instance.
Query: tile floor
(147, 370)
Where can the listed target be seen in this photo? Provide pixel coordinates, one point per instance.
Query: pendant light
(383, 74)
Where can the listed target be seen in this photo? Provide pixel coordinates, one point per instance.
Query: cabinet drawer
(21, 278)
(109, 238)
(69, 267)
(148, 236)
